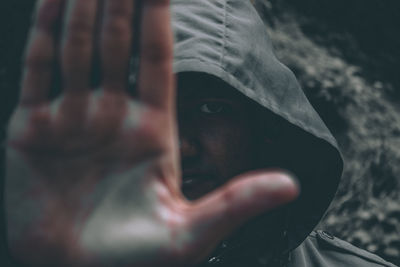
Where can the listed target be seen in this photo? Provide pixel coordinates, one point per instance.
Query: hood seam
(228, 78)
(224, 35)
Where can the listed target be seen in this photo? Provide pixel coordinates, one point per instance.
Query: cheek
(230, 146)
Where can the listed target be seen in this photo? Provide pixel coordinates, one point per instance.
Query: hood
(228, 40)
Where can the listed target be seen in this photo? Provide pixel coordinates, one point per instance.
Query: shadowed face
(221, 137)
(218, 133)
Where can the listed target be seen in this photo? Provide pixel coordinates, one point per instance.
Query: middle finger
(116, 43)
(77, 44)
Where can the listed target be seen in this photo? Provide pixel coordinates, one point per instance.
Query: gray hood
(227, 39)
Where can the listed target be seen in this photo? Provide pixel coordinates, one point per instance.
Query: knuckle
(116, 9)
(156, 53)
(117, 30)
(38, 62)
(40, 120)
(229, 194)
(79, 32)
(229, 197)
(118, 20)
(38, 58)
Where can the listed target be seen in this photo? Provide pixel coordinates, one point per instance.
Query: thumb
(216, 215)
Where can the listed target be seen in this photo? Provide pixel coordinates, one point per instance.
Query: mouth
(195, 186)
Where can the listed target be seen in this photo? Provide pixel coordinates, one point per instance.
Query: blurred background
(346, 54)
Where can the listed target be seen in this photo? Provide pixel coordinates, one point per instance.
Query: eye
(213, 107)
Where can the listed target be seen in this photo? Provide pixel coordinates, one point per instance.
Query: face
(217, 127)
(221, 137)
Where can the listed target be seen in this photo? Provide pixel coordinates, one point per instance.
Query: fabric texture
(228, 40)
(324, 250)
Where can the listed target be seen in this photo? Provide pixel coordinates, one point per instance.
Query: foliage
(346, 56)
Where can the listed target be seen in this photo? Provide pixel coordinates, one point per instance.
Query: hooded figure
(123, 206)
(227, 40)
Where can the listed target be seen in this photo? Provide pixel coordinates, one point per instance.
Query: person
(201, 174)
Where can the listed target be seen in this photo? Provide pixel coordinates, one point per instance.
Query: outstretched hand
(93, 176)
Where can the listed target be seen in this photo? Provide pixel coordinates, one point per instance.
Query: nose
(187, 148)
(186, 128)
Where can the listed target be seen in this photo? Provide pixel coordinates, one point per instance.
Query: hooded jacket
(228, 40)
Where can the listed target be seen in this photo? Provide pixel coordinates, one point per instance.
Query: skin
(221, 137)
(94, 175)
(217, 127)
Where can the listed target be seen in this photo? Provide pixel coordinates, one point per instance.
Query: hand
(93, 176)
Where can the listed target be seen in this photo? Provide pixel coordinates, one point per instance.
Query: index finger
(41, 52)
(156, 81)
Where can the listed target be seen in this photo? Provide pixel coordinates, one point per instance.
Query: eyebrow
(194, 86)
(207, 90)
(206, 94)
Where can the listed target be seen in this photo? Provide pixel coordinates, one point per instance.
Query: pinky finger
(41, 53)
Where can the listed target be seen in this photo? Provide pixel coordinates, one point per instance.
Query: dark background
(346, 54)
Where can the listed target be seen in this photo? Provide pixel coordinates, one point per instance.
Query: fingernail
(284, 180)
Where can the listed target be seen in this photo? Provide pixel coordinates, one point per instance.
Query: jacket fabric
(323, 249)
(228, 40)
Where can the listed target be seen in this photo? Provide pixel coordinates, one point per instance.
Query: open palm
(92, 176)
